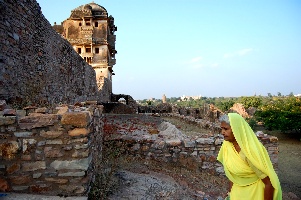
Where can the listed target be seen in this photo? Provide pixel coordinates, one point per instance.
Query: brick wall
(37, 65)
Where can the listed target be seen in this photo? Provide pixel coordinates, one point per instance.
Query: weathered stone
(51, 152)
(4, 121)
(81, 146)
(189, 143)
(13, 168)
(79, 132)
(56, 141)
(39, 188)
(9, 149)
(41, 143)
(77, 119)
(50, 134)
(32, 166)
(39, 120)
(26, 157)
(28, 143)
(57, 180)
(173, 142)
(79, 140)
(2, 105)
(81, 173)
(81, 164)
(20, 188)
(23, 134)
(61, 110)
(205, 141)
(80, 154)
(20, 180)
(36, 175)
(144, 148)
(42, 110)
(9, 112)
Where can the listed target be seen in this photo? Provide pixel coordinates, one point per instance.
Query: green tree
(253, 101)
(282, 113)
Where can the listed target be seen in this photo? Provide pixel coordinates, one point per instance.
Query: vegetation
(281, 113)
(276, 112)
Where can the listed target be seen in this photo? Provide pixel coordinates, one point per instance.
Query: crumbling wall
(54, 152)
(165, 143)
(37, 65)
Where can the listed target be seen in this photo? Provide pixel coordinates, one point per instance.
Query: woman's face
(227, 132)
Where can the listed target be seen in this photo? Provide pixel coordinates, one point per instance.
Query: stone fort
(90, 31)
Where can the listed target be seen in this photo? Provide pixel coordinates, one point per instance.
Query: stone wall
(37, 65)
(165, 143)
(58, 151)
(54, 152)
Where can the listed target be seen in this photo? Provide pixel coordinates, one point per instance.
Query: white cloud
(196, 59)
(244, 51)
(241, 52)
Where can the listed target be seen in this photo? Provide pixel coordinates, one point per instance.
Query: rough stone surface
(37, 62)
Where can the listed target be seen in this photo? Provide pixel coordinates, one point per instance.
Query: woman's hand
(269, 189)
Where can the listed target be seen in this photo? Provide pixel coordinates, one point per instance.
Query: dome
(87, 7)
(90, 9)
(90, 6)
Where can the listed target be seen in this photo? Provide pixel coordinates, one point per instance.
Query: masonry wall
(37, 65)
(195, 153)
(54, 152)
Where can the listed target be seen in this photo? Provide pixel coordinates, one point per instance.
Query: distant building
(163, 98)
(90, 31)
(186, 98)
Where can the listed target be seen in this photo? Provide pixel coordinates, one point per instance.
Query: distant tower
(90, 31)
(163, 98)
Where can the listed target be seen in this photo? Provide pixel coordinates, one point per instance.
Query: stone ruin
(53, 145)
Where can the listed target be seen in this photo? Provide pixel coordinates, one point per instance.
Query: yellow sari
(246, 184)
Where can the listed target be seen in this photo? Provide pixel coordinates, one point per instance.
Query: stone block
(81, 164)
(33, 166)
(173, 142)
(50, 134)
(189, 143)
(77, 119)
(79, 132)
(38, 120)
(4, 121)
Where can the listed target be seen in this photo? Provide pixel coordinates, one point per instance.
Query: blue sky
(212, 48)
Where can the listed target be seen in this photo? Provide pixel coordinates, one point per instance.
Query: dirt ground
(145, 179)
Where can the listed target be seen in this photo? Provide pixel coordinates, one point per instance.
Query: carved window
(88, 50)
(97, 50)
(79, 50)
(96, 24)
(88, 24)
(80, 24)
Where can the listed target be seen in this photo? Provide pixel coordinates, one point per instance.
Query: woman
(246, 162)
